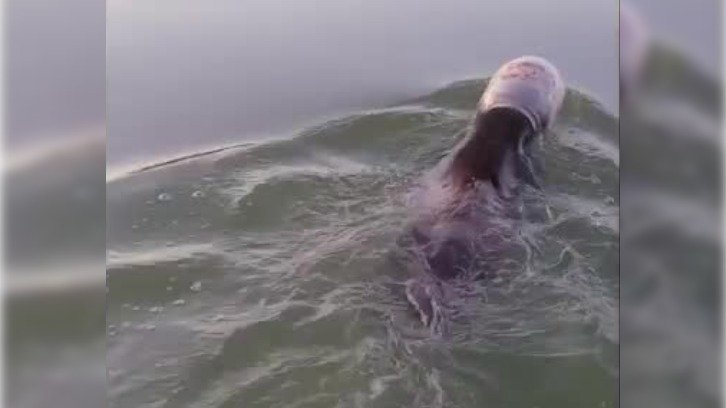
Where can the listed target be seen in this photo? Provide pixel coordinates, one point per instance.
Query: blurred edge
(671, 198)
(54, 203)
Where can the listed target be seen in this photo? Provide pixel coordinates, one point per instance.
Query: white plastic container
(530, 85)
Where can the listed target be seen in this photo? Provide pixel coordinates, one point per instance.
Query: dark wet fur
(496, 133)
(463, 244)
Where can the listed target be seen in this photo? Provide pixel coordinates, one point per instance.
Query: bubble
(196, 286)
(164, 197)
(198, 194)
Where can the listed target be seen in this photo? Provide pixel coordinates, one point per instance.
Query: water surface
(266, 274)
(189, 75)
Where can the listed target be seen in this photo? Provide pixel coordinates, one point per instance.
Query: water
(190, 75)
(267, 273)
(261, 157)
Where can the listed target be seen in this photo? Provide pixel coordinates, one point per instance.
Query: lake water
(261, 155)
